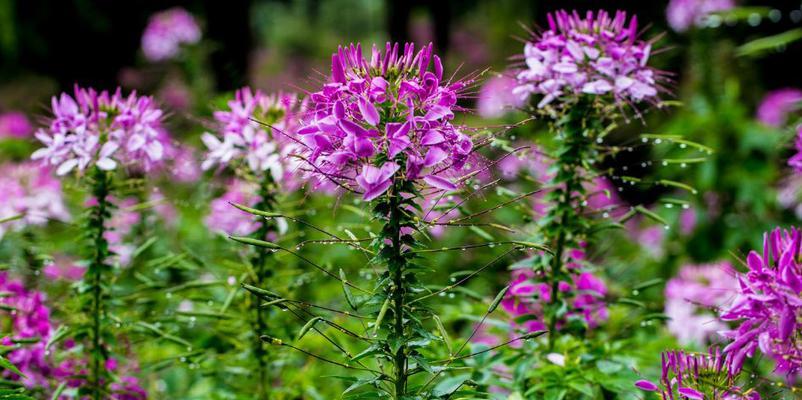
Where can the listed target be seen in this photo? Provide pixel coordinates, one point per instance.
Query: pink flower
(496, 97)
(598, 55)
(29, 191)
(376, 181)
(229, 220)
(388, 109)
(14, 124)
(777, 104)
(129, 128)
(167, 31)
(62, 267)
(684, 14)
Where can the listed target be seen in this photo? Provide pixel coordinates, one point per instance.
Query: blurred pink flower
(777, 104)
(14, 124)
(29, 190)
(167, 31)
(684, 14)
(496, 97)
(63, 268)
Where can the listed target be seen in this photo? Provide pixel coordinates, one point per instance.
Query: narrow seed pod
(497, 300)
(307, 326)
(443, 333)
(379, 319)
(265, 294)
(254, 211)
(254, 242)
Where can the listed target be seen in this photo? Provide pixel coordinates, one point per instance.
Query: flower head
(702, 376)
(263, 146)
(29, 192)
(229, 220)
(684, 14)
(599, 55)
(167, 31)
(776, 105)
(14, 124)
(103, 130)
(768, 305)
(389, 114)
(496, 97)
(691, 296)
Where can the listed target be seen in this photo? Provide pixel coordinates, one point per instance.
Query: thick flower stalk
(702, 376)
(255, 140)
(95, 133)
(768, 305)
(167, 31)
(580, 74)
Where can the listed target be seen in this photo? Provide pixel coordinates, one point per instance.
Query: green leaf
(449, 385)
(5, 364)
(760, 46)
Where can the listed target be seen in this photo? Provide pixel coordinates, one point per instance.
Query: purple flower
(14, 124)
(28, 190)
(598, 55)
(683, 14)
(496, 97)
(697, 376)
(695, 289)
(230, 220)
(102, 130)
(768, 305)
(127, 388)
(257, 131)
(777, 104)
(392, 110)
(167, 31)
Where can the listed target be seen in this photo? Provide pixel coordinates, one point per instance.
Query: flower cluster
(99, 129)
(385, 118)
(29, 192)
(690, 376)
(496, 97)
(768, 304)
(596, 55)
(694, 291)
(683, 14)
(529, 293)
(167, 31)
(229, 220)
(777, 105)
(29, 319)
(14, 124)
(256, 131)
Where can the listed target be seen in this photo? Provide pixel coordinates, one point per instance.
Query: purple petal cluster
(768, 305)
(496, 97)
(684, 14)
(29, 191)
(385, 118)
(167, 31)
(777, 104)
(697, 376)
(529, 292)
(230, 220)
(244, 138)
(29, 318)
(693, 296)
(14, 124)
(94, 128)
(598, 55)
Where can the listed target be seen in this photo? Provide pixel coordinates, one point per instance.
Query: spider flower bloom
(692, 294)
(697, 376)
(255, 131)
(230, 220)
(385, 118)
(14, 124)
(768, 305)
(29, 319)
(683, 14)
(98, 129)
(167, 31)
(599, 55)
(776, 105)
(29, 191)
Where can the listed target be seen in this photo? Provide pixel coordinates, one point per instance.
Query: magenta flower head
(255, 132)
(383, 119)
(692, 298)
(599, 57)
(768, 305)
(228, 220)
(30, 193)
(14, 124)
(96, 129)
(776, 105)
(697, 376)
(167, 31)
(684, 14)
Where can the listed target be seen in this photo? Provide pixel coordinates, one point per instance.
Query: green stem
(266, 202)
(396, 265)
(97, 219)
